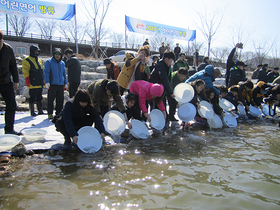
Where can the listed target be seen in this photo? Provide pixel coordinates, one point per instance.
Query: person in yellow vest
(244, 95)
(32, 70)
(133, 68)
(259, 93)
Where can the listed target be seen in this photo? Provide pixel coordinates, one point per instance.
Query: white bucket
(114, 122)
(157, 119)
(186, 112)
(139, 129)
(206, 110)
(89, 139)
(183, 92)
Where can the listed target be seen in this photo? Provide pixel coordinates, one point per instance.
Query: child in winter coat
(214, 100)
(148, 91)
(132, 107)
(134, 68)
(77, 112)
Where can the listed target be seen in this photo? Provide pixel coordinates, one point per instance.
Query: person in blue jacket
(208, 75)
(55, 81)
(77, 113)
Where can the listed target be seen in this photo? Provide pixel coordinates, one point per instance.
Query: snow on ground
(23, 120)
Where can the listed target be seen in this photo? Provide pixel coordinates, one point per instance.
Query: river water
(228, 168)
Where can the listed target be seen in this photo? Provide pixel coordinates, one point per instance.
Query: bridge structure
(47, 44)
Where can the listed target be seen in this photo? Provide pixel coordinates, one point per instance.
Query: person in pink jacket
(148, 91)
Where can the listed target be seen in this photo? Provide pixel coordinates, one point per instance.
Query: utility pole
(7, 24)
(259, 54)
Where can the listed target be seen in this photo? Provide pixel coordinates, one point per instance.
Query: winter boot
(40, 107)
(31, 107)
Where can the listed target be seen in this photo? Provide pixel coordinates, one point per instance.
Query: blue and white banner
(38, 9)
(150, 28)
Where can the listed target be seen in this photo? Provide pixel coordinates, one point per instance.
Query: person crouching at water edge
(148, 91)
(101, 92)
(198, 86)
(77, 113)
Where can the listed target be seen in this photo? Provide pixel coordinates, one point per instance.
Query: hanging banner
(38, 9)
(150, 28)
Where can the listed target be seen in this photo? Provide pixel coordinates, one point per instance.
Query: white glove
(47, 85)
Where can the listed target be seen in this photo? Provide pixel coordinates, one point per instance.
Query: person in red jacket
(148, 91)
(113, 70)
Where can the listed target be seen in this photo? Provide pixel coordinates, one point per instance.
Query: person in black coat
(236, 74)
(198, 87)
(231, 61)
(8, 68)
(77, 113)
(232, 94)
(74, 71)
(203, 64)
(274, 99)
(162, 74)
(214, 100)
(132, 106)
(262, 76)
(155, 61)
(271, 76)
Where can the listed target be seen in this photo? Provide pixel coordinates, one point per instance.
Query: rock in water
(19, 149)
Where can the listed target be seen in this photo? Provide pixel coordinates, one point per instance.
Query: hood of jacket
(33, 49)
(57, 50)
(156, 90)
(209, 71)
(129, 56)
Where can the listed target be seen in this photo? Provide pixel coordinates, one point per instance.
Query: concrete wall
(15, 45)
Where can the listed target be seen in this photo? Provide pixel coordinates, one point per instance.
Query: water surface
(229, 168)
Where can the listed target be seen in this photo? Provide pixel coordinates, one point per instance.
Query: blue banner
(38, 9)
(150, 28)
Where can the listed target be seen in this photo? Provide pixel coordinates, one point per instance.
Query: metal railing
(85, 42)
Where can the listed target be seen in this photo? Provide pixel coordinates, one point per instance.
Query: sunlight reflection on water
(229, 168)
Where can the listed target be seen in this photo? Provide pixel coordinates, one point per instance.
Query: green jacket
(179, 64)
(175, 80)
(99, 96)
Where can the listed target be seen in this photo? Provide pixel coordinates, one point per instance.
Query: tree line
(264, 50)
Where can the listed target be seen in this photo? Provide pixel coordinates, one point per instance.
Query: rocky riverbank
(90, 70)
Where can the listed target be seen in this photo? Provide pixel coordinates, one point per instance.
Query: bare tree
(262, 48)
(209, 25)
(96, 46)
(195, 46)
(248, 58)
(275, 54)
(67, 29)
(220, 54)
(20, 24)
(133, 39)
(117, 39)
(47, 27)
(240, 34)
(155, 41)
(96, 11)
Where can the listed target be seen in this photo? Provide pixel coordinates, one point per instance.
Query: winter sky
(257, 19)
